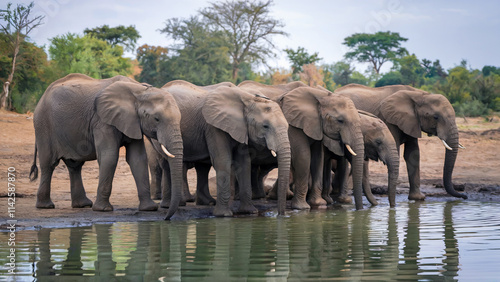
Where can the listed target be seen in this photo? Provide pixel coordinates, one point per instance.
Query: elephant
(407, 112)
(316, 117)
(379, 145)
(224, 127)
(80, 119)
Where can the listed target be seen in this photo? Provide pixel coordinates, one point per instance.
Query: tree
(88, 55)
(18, 24)
(248, 28)
(200, 55)
(149, 58)
(312, 75)
(120, 35)
(375, 49)
(412, 72)
(300, 57)
(390, 78)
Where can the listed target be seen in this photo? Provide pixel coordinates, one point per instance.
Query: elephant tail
(34, 168)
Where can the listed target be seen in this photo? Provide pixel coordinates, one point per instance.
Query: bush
(390, 78)
(472, 108)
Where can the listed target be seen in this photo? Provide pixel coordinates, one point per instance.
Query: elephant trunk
(284, 160)
(357, 169)
(392, 162)
(449, 164)
(176, 148)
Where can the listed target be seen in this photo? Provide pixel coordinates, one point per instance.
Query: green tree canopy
(200, 54)
(375, 49)
(248, 29)
(88, 55)
(149, 58)
(300, 57)
(120, 35)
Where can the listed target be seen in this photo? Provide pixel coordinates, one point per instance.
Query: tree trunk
(5, 94)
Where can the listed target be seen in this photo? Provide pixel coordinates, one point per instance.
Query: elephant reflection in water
(344, 244)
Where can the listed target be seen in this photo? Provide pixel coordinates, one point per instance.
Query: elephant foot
(205, 201)
(273, 194)
(300, 204)
(81, 203)
(258, 195)
(247, 208)
(189, 198)
(165, 204)
(157, 197)
(316, 201)
(47, 204)
(148, 205)
(417, 196)
(101, 205)
(222, 211)
(328, 199)
(344, 199)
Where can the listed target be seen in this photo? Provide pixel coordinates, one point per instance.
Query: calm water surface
(431, 241)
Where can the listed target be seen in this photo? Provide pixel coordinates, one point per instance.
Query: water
(430, 241)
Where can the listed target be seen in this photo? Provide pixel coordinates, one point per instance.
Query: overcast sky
(446, 30)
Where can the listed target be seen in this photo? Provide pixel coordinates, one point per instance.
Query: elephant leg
(203, 196)
(412, 159)
(137, 160)
(186, 195)
(78, 196)
(301, 159)
(221, 156)
(47, 166)
(242, 169)
(317, 156)
(365, 183)
(156, 175)
(340, 181)
(327, 180)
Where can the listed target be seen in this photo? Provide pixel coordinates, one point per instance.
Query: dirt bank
(477, 171)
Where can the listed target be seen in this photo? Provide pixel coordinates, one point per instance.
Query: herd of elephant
(243, 132)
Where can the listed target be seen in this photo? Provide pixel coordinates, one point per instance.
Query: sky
(446, 30)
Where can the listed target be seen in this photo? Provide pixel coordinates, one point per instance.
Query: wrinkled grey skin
(79, 119)
(379, 146)
(316, 117)
(225, 127)
(407, 112)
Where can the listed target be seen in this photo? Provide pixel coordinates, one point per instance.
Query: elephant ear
(224, 109)
(333, 145)
(301, 109)
(115, 105)
(400, 109)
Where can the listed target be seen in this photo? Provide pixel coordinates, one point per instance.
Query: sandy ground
(477, 171)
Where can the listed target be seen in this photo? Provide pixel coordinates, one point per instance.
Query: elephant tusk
(446, 145)
(166, 151)
(461, 146)
(350, 150)
(273, 153)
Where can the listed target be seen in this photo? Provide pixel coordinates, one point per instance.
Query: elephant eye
(265, 126)
(378, 141)
(436, 116)
(157, 119)
(340, 120)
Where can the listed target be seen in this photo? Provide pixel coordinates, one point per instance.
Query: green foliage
(300, 57)
(88, 55)
(200, 55)
(390, 78)
(342, 73)
(472, 108)
(120, 35)
(375, 48)
(149, 58)
(412, 73)
(247, 27)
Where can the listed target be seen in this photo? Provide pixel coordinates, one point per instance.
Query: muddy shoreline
(477, 173)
